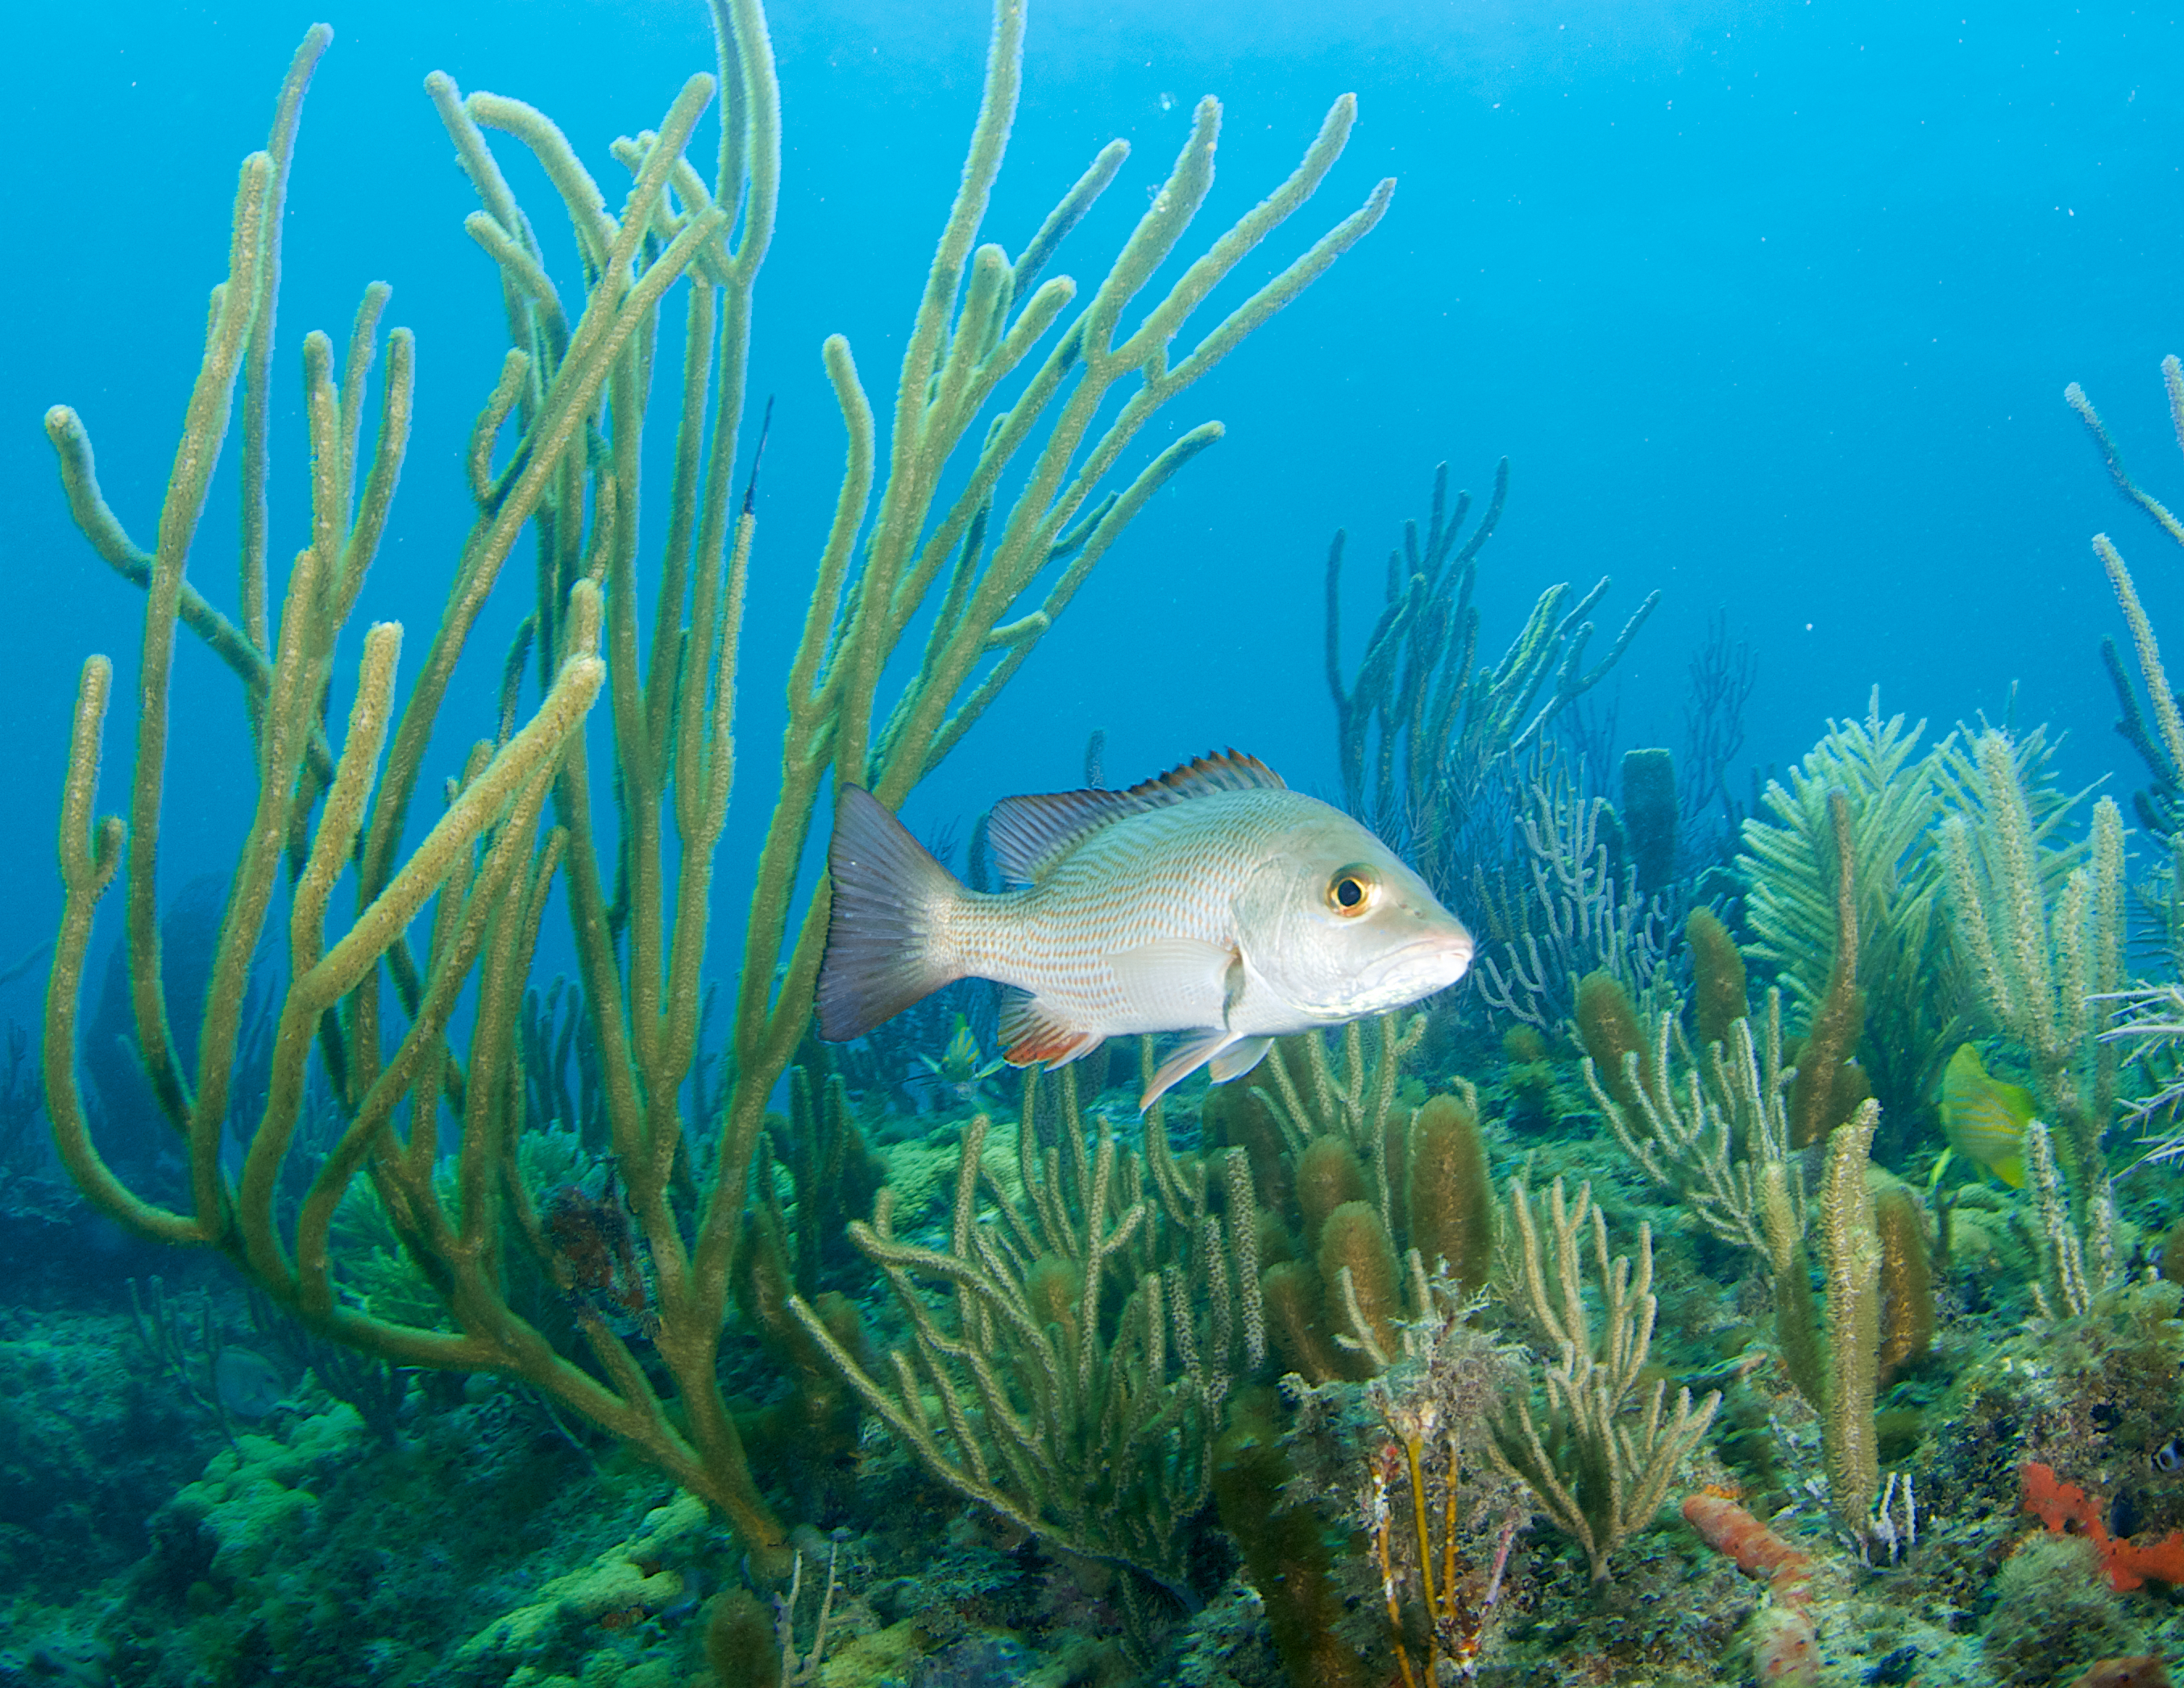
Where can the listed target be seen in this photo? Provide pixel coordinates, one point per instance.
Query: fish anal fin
(1031, 1032)
(1029, 835)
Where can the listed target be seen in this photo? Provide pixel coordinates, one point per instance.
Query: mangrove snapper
(1213, 901)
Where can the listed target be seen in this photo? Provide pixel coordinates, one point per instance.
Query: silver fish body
(1212, 901)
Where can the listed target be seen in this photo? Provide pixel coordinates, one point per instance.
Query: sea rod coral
(373, 998)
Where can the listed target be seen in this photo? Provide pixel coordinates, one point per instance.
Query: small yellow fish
(1984, 1118)
(1213, 901)
(958, 1066)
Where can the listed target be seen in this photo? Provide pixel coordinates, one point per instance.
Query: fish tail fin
(883, 948)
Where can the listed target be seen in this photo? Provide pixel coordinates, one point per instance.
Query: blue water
(1770, 306)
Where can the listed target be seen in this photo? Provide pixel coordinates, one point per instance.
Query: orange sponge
(2128, 1563)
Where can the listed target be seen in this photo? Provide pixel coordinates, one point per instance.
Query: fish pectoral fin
(1031, 1032)
(1239, 1058)
(1202, 1048)
(1180, 981)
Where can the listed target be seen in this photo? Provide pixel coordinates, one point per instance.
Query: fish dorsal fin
(1029, 835)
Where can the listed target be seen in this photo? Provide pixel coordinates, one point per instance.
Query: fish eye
(1350, 891)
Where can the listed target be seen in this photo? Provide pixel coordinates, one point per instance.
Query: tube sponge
(1450, 1197)
(1286, 1553)
(1718, 979)
(1649, 815)
(1907, 1278)
(1290, 1290)
(1607, 1022)
(1354, 1239)
(1785, 1650)
(1329, 1174)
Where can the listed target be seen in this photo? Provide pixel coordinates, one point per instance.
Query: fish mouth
(1429, 963)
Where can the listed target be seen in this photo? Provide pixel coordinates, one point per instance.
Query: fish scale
(1165, 873)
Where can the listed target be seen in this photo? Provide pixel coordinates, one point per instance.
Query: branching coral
(2043, 960)
(1582, 912)
(975, 530)
(1101, 1313)
(1599, 1472)
(1713, 1129)
(2161, 747)
(21, 1148)
(1716, 1131)
(1904, 966)
(2150, 1026)
(1425, 718)
(1718, 687)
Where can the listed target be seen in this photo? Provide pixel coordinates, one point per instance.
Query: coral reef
(567, 1334)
